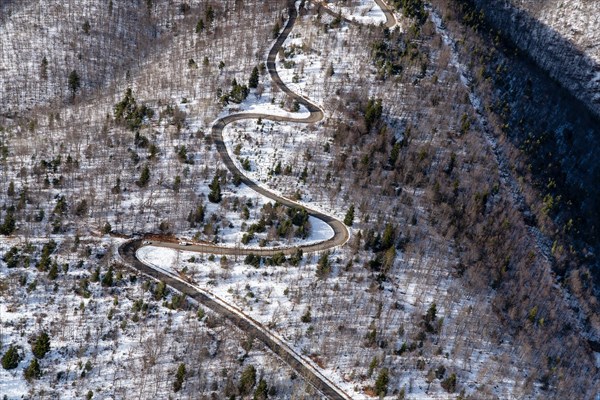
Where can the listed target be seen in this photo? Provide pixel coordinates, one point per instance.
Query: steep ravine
(550, 139)
(556, 131)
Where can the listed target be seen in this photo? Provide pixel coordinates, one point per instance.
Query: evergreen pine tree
(215, 190)
(177, 184)
(306, 317)
(108, 278)
(179, 377)
(304, 175)
(276, 30)
(160, 291)
(41, 345)
(11, 189)
(394, 154)
(210, 15)
(95, 275)
(323, 266)
(44, 69)
(330, 71)
(200, 26)
(9, 224)
(389, 237)
(373, 113)
(349, 218)
(382, 381)
(247, 380)
(53, 273)
(33, 370)
(106, 228)
(74, 82)
(253, 81)
(10, 359)
(144, 177)
(449, 384)
(262, 390)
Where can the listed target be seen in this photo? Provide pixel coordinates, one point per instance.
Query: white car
(184, 243)
(146, 242)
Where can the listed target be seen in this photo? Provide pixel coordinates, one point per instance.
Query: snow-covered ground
(118, 341)
(255, 104)
(365, 12)
(270, 294)
(261, 292)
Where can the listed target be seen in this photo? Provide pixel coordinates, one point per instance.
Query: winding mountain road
(128, 250)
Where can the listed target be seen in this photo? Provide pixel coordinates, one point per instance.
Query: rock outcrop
(561, 37)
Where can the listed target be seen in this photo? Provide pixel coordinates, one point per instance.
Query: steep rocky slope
(562, 37)
(538, 65)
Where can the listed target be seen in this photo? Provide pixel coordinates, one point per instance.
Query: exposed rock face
(559, 133)
(563, 37)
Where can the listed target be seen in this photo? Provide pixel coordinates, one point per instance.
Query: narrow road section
(297, 362)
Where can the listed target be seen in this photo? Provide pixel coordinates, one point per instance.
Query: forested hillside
(451, 161)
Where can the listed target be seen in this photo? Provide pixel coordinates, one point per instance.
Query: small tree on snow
(449, 384)
(382, 381)
(44, 69)
(33, 370)
(276, 30)
(330, 71)
(200, 26)
(209, 15)
(108, 278)
(307, 317)
(253, 81)
(262, 390)
(10, 359)
(41, 345)
(106, 228)
(179, 377)
(9, 224)
(247, 380)
(215, 195)
(86, 27)
(349, 218)
(144, 177)
(323, 266)
(74, 82)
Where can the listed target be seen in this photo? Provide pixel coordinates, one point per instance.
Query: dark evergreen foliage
(33, 370)
(74, 82)
(215, 195)
(253, 81)
(349, 218)
(247, 380)
(41, 345)
(10, 359)
(382, 381)
(129, 114)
